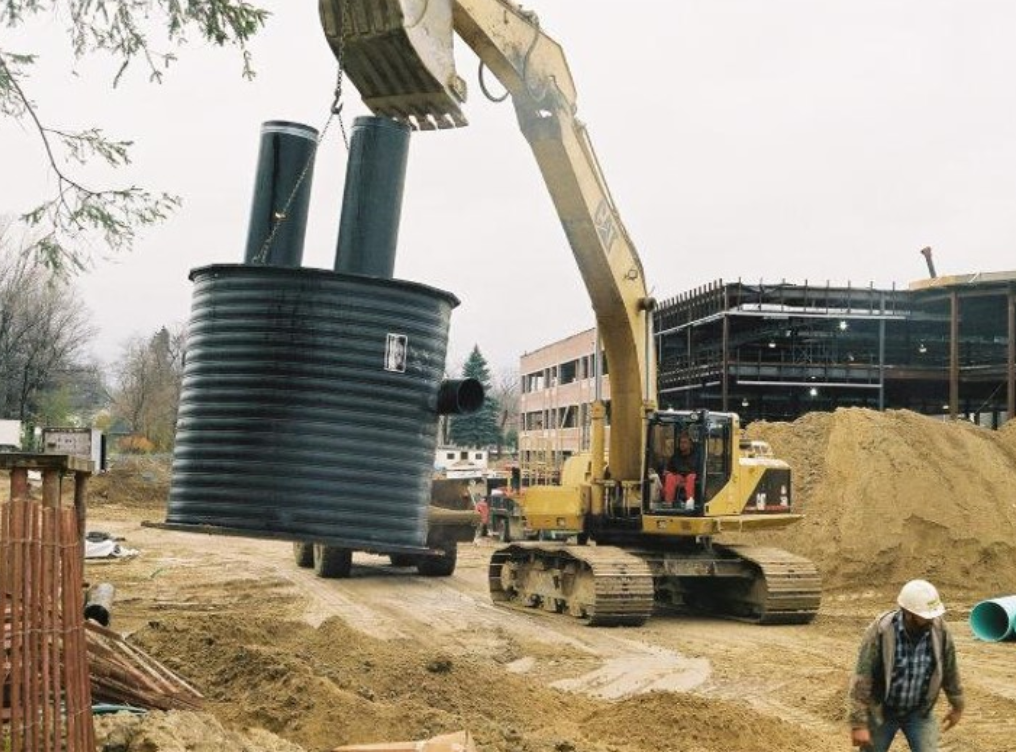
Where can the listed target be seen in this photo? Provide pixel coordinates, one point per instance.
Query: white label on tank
(396, 352)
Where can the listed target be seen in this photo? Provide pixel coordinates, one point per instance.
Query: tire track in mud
(441, 612)
(812, 667)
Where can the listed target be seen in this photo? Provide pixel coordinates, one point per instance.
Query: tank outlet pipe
(459, 397)
(278, 212)
(994, 620)
(372, 197)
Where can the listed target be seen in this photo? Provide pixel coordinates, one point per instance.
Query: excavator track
(783, 589)
(602, 585)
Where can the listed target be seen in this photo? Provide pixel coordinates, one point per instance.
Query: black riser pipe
(282, 183)
(372, 199)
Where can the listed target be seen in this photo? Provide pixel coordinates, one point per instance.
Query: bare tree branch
(79, 218)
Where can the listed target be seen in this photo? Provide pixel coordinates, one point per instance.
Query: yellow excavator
(634, 547)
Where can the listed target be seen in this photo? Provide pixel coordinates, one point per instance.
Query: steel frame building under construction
(945, 346)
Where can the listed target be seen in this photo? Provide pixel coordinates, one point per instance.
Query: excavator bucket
(398, 54)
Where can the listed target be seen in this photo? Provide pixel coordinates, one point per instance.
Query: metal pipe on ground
(372, 198)
(99, 603)
(994, 620)
(278, 215)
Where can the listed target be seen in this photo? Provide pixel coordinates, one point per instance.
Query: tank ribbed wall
(308, 405)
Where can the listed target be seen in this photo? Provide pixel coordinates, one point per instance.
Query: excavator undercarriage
(610, 586)
(602, 585)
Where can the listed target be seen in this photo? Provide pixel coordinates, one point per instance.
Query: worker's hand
(860, 737)
(951, 718)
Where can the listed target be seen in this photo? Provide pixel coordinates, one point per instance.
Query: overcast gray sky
(787, 139)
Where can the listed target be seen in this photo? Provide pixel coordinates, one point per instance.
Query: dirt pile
(181, 732)
(333, 685)
(132, 481)
(895, 495)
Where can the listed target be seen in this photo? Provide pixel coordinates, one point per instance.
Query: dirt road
(387, 654)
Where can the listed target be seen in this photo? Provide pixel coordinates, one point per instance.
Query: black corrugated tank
(308, 406)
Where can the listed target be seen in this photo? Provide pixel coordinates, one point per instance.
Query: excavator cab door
(398, 54)
(717, 454)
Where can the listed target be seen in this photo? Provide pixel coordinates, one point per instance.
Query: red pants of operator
(673, 481)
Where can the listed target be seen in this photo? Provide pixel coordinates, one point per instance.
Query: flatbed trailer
(451, 519)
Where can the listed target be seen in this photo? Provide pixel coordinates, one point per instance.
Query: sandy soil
(284, 658)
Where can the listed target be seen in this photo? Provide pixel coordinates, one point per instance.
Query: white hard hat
(920, 597)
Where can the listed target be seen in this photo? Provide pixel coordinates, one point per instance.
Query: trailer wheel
(332, 562)
(439, 566)
(402, 560)
(303, 554)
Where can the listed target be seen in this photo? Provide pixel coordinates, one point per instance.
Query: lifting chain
(334, 112)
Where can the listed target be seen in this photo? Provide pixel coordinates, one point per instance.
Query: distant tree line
(146, 392)
(48, 376)
(44, 335)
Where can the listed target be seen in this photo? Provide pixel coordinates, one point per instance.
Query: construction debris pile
(122, 674)
(895, 495)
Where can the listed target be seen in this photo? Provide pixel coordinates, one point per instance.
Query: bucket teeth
(398, 54)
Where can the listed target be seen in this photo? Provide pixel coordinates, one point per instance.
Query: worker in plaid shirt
(907, 656)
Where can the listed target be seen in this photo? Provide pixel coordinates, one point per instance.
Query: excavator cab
(399, 55)
(710, 434)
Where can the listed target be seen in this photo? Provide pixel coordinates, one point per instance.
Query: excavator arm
(399, 55)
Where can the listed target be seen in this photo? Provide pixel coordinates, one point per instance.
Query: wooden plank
(51, 646)
(17, 624)
(34, 618)
(28, 461)
(6, 565)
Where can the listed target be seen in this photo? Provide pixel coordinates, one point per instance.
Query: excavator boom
(398, 53)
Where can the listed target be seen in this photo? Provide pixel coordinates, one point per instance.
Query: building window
(568, 371)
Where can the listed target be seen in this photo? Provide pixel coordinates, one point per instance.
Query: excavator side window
(718, 459)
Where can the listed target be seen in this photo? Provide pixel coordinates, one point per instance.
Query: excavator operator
(681, 473)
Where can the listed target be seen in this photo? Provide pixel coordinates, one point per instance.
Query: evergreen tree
(481, 428)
